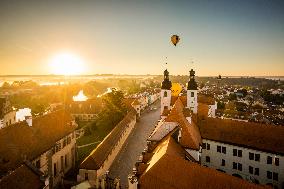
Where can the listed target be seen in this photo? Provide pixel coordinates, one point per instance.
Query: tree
(113, 109)
(6, 85)
(220, 105)
(232, 96)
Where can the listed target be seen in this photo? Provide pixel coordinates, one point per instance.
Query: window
(69, 140)
(257, 157)
(219, 149)
(54, 169)
(66, 161)
(62, 164)
(208, 159)
(86, 176)
(240, 153)
(165, 94)
(204, 145)
(208, 146)
(223, 150)
(235, 165)
(275, 176)
(223, 162)
(240, 167)
(250, 169)
(269, 174)
(64, 142)
(251, 156)
(256, 171)
(38, 164)
(192, 94)
(276, 161)
(235, 152)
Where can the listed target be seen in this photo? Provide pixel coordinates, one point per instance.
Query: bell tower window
(192, 94)
(165, 94)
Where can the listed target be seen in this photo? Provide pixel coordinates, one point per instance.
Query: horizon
(243, 39)
(106, 74)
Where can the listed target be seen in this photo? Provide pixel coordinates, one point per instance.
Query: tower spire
(166, 84)
(191, 85)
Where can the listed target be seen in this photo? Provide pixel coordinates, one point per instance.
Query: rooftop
(23, 177)
(20, 142)
(190, 136)
(168, 168)
(257, 136)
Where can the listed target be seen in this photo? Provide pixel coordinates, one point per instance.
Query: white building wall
(165, 100)
(212, 110)
(216, 160)
(194, 153)
(192, 100)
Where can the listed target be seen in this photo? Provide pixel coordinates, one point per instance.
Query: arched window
(165, 94)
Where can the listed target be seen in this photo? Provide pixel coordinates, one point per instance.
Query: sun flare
(66, 64)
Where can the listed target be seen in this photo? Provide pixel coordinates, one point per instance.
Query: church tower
(192, 92)
(166, 92)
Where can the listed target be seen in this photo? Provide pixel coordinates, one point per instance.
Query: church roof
(166, 84)
(162, 130)
(190, 136)
(20, 141)
(192, 85)
(168, 168)
(257, 136)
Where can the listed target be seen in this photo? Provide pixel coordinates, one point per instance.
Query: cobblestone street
(134, 145)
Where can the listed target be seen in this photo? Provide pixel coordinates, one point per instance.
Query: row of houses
(36, 153)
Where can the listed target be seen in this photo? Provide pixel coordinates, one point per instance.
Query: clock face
(176, 89)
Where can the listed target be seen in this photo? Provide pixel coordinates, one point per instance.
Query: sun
(66, 64)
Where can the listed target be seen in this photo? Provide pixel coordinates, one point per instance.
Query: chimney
(29, 120)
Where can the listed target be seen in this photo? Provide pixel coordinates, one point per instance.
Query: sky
(228, 37)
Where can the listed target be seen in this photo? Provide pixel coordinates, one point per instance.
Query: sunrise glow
(66, 64)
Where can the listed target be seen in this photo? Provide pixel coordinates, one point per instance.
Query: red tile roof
(19, 140)
(190, 136)
(251, 135)
(205, 99)
(168, 169)
(23, 177)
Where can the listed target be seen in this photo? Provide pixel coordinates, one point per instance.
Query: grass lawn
(87, 139)
(85, 151)
(97, 135)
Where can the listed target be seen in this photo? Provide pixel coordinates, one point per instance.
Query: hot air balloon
(175, 39)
